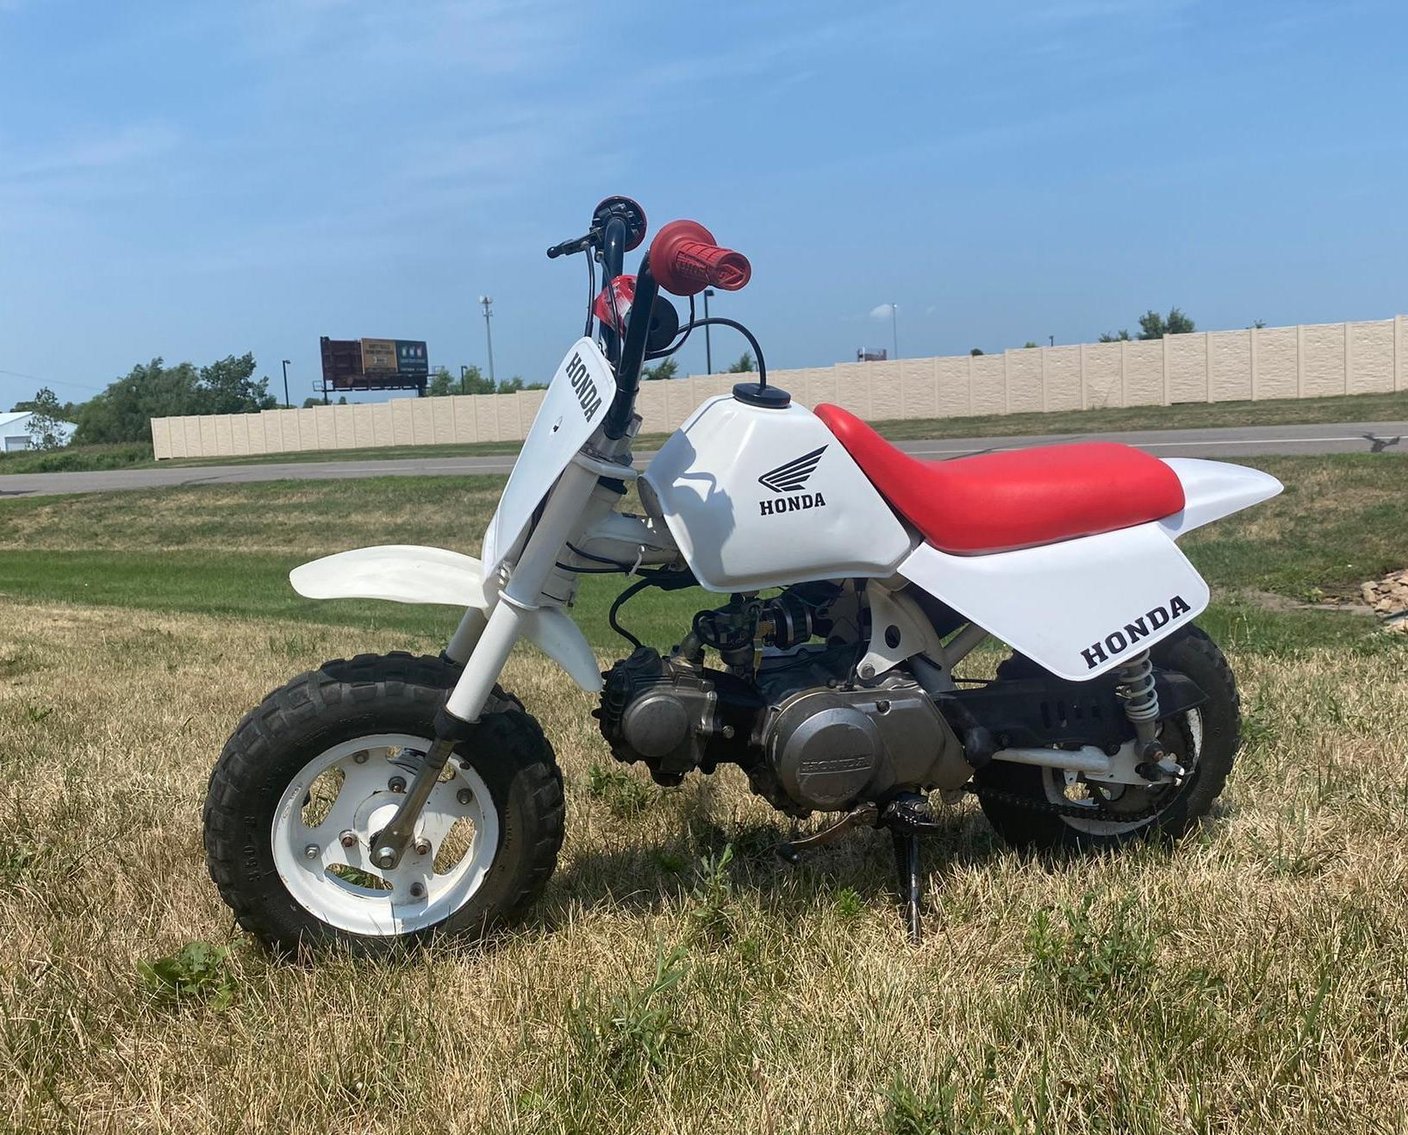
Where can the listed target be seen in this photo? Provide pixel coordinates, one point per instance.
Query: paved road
(1236, 441)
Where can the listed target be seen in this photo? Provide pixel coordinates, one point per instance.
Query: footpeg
(910, 814)
(1165, 769)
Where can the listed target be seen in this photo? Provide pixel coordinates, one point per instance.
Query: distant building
(865, 355)
(15, 435)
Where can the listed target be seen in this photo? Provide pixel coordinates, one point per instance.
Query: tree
(227, 386)
(472, 381)
(123, 412)
(1028, 345)
(976, 351)
(663, 370)
(1152, 325)
(744, 365)
(46, 424)
(66, 411)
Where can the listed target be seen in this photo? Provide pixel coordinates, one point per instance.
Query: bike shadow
(650, 878)
(653, 877)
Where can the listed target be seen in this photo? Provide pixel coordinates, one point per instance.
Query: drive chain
(1080, 811)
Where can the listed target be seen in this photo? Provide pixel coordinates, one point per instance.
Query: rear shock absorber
(1138, 691)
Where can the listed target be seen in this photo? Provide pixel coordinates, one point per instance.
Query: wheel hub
(373, 814)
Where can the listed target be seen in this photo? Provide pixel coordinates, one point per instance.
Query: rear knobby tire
(321, 717)
(1216, 731)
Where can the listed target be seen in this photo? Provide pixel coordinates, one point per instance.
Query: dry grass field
(678, 977)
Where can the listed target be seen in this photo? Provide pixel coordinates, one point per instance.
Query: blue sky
(200, 179)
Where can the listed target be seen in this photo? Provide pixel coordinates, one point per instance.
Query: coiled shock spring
(1140, 696)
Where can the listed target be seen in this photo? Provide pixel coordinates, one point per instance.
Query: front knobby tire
(1211, 734)
(312, 774)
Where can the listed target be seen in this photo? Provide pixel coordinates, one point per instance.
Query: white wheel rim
(1055, 781)
(412, 896)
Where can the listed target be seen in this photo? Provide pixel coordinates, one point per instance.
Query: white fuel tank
(759, 496)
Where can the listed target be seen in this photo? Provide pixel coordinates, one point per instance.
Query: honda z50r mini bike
(382, 799)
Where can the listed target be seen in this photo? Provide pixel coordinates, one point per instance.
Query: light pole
(708, 353)
(287, 404)
(894, 330)
(488, 332)
(464, 375)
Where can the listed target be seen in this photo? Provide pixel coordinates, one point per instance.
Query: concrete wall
(1308, 361)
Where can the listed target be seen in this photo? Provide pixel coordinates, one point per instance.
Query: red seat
(996, 502)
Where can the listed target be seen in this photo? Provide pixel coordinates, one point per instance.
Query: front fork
(485, 646)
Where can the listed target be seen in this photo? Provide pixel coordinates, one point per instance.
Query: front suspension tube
(456, 719)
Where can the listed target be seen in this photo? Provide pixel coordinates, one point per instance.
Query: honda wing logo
(790, 478)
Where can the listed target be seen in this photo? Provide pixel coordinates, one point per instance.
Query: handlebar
(685, 259)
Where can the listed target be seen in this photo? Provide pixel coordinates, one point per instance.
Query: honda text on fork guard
(382, 799)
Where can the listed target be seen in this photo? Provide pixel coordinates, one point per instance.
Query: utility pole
(487, 301)
(287, 404)
(464, 375)
(708, 352)
(894, 330)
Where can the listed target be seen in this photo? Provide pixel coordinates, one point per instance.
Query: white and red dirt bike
(382, 799)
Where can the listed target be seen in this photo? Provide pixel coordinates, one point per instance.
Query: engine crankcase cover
(824, 749)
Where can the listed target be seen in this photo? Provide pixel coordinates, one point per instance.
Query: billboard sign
(374, 364)
(378, 356)
(411, 358)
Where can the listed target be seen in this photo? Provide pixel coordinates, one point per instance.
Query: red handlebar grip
(685, 259)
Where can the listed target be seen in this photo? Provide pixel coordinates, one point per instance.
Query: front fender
(401, 573)
(407, 573)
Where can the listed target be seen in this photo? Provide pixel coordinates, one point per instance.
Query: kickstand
(907, 867)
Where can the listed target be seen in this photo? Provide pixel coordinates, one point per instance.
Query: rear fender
(1214, 489)
(406, 573)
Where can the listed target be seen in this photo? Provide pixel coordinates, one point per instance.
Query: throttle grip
(685, 259)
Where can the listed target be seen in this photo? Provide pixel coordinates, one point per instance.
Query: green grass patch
(225, 550)
(78, 458)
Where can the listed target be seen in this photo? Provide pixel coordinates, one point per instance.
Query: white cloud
(125, 146)
(883, 311)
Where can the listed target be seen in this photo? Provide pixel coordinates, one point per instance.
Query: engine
(788, 709)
